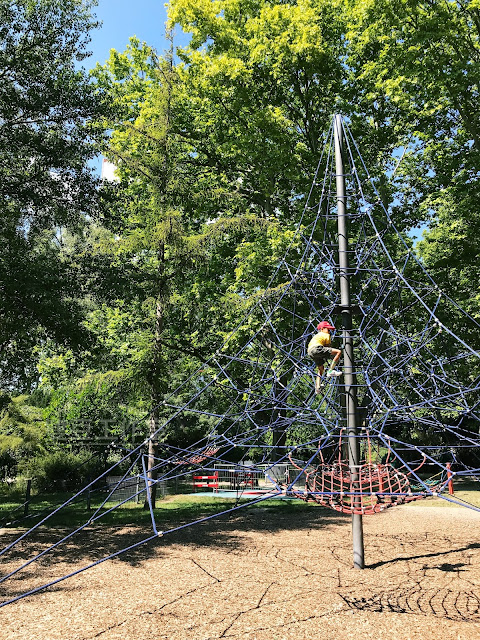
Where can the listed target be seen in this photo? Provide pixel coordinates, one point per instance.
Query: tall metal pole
(348, 360)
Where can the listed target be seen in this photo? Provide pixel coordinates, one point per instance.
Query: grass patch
(469, 498)
(172, 510)
(466, 491)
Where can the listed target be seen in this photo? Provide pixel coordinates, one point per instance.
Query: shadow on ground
(42, 562)
(442, 567)
(450, 604)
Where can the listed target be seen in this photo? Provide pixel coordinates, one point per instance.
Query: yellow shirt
(323, 339)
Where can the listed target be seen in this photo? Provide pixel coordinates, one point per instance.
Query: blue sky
(125, 18)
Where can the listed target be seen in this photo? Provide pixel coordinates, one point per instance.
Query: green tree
(23, 432)
(154, 229)
(262, 80)
(423, 57)
(215, 156)
(47, 109)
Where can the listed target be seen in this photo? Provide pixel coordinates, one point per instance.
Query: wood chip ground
(265, 575)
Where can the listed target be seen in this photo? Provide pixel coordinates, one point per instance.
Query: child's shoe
(333, 372)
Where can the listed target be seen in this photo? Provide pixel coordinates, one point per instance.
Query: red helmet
(324, 325)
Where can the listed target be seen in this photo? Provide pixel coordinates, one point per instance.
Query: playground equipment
(370, 488)
(401, 424)
(203, 482)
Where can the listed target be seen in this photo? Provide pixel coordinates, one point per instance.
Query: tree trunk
(156, 395)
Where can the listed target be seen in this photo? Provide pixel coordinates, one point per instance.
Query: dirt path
(261, 577)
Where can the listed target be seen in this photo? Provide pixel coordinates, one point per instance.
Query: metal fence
(231, 477)
(124, 489)
(218, 477)
(127, 489)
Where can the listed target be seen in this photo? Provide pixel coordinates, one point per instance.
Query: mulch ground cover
(265, 574)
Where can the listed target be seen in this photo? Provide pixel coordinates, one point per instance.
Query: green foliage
(214, 157)
(22, 431)
(48, 107)
(451, 252)
(95, 408)
(63, 470)
(258, 95)
(423, 59)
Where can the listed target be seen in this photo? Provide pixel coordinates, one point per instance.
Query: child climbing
(319, 350)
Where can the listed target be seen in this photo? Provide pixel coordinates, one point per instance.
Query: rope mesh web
(416, 381)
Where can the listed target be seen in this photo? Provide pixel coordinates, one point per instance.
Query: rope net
(364, 489)
(416, 381)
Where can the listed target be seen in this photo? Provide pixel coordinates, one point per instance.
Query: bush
(63, 471)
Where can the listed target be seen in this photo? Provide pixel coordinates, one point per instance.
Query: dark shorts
(320, 354)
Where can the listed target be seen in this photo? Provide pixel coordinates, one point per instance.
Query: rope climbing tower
(398, 426)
